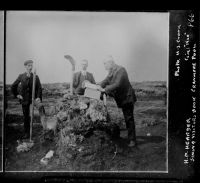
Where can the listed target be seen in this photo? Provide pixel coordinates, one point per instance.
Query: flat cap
(28, 62)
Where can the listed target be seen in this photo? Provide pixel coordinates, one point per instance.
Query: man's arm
(92, 79)
(38, 91)
(117, 83)
(15, 85)
(105, 82)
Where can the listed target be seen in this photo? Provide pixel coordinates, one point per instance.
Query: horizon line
(97, 82)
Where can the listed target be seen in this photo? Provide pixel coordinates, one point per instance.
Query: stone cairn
(85, 133)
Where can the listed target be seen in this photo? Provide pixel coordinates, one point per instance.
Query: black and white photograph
(86, 91)
(99, 92)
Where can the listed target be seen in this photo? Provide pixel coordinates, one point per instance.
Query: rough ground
(151, 127)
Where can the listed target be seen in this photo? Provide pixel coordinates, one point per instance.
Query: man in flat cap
(117, 85)
(22, 89)
(81, 77)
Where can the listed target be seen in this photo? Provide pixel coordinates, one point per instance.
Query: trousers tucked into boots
(129, 119)
(26, 113)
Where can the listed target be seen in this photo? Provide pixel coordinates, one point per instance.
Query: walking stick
(32, 106)
(104, 99)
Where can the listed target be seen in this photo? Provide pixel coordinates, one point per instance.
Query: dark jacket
(23, 86)
(118, 86)
(78, 79)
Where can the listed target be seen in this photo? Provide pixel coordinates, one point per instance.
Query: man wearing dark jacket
(22, 89)
(81, 77)
(117, 85)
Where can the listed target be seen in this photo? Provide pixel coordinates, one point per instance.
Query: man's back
(119, 86)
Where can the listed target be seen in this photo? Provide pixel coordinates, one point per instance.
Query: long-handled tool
(72, 61)
(26, 146)
(104, 99)
(32, 106)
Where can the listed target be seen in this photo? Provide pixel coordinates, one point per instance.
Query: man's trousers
(26, 113)
(129, 119)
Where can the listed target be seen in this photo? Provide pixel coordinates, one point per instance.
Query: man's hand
(38, 100)
(20, 97)
(100, 88)
(84, 82)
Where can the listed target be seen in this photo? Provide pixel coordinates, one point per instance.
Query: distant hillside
(150, 83)
(142, 89)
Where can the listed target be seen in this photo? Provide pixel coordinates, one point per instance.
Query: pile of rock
(84, 130)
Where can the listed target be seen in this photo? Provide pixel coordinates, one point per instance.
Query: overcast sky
(137, 41)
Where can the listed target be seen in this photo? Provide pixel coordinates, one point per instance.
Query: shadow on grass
(151, 139)
(15, 118)
(122, 143)
(14, 127)
(12, 134)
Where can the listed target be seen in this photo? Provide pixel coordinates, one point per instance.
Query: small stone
(62, 116)
(44, 161)
(49, 154)
(68, 155)
(148, 134)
